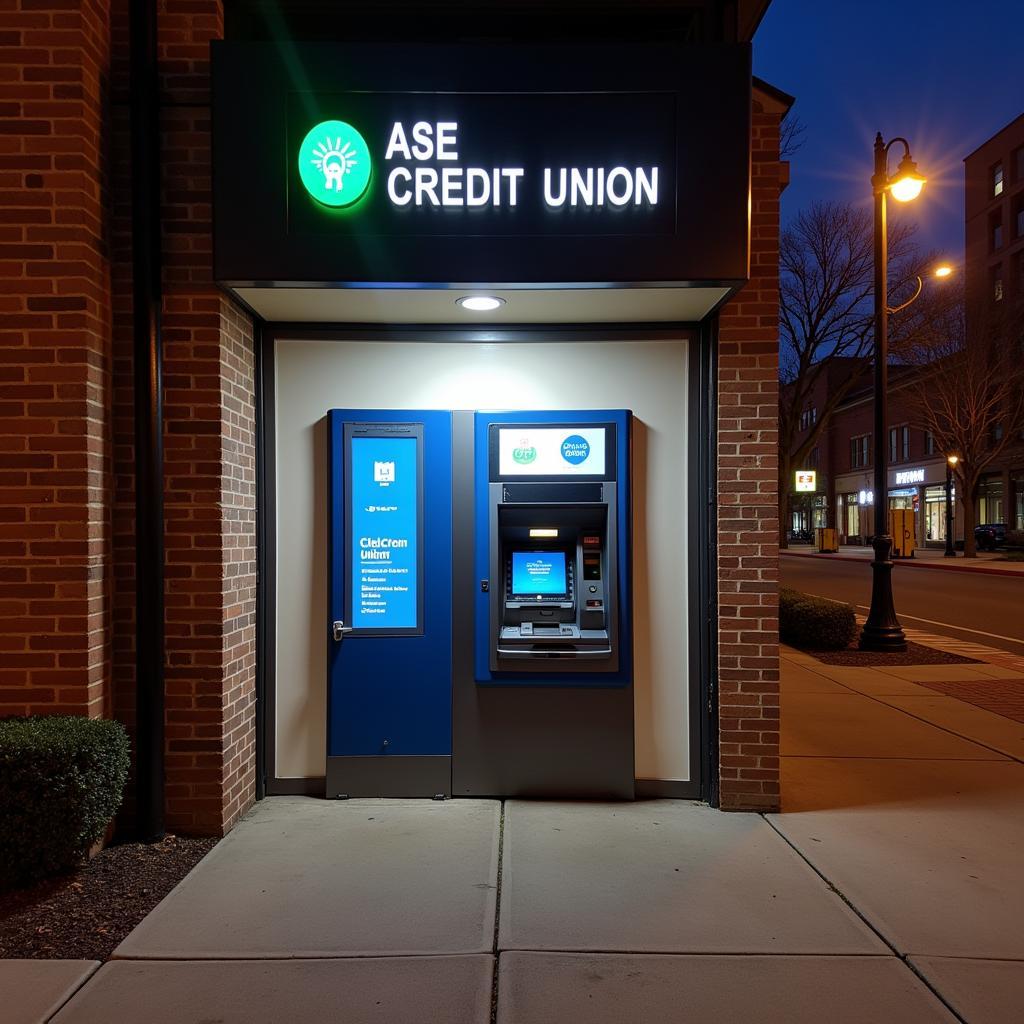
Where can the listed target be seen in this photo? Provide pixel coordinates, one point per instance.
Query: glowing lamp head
(480, 303)
(943, 270)
(907, 182)
(953, 459)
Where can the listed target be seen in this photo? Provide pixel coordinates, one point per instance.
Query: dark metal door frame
(701, 542)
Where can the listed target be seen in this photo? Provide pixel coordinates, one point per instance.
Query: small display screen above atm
(540, 573)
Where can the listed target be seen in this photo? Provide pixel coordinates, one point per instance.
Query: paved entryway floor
(888, 891)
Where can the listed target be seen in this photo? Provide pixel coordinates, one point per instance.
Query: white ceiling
(522, 306)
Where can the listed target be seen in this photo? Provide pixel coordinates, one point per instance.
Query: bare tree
(825, 314)
(970, 392)
(791, 136)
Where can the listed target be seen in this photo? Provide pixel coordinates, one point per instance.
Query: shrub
(806, 621)
(61, 780)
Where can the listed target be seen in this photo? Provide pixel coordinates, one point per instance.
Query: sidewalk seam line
(905, 960)
(497, 914)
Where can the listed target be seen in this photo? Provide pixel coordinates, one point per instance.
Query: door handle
(339, 629)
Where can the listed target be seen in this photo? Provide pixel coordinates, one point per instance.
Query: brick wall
(748, 640)
(67, 545)
(55, 360)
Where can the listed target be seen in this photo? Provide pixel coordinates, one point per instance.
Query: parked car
(990, 536)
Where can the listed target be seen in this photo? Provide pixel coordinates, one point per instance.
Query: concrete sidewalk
(929, 558)
(887, 891)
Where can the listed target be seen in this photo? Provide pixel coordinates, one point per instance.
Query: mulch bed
(85, 915)
(915, 654)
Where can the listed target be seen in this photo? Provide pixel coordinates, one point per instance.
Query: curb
(982, 569)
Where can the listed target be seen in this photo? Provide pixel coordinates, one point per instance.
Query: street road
(985, 608)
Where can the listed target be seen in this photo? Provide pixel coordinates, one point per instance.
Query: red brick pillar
(209, 450)
(55, 359)
(748, 638)
(209, 460)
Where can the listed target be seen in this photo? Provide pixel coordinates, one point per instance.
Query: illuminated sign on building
(866, 498)
(806, 480)
(393, 163)
(909, 476)
(437, 164)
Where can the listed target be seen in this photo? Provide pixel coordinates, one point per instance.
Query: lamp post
(882, 631)
(951, 461)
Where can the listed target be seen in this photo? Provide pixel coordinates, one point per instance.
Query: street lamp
(882, 631)
(951, 461)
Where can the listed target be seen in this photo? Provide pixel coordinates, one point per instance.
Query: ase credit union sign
(422, 167)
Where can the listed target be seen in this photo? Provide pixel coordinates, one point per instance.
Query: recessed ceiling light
(480, 303)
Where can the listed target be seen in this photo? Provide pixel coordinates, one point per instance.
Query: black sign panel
(438, 165)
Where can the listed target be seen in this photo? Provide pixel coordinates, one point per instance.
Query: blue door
(389, 594)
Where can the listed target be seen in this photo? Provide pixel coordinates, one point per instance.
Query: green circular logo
(524, 455)
(334, 163)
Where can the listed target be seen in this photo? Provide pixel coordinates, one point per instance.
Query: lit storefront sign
(909, 476)
(806, 480)
(865, 497)
(467, 163)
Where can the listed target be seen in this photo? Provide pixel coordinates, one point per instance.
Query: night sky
(950, 77)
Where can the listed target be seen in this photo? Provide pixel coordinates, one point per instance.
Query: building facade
(994, 215)
(249, 370)
(843, 458)
(916, 478)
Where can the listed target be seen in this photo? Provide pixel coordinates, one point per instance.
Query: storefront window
(820, 511)
(852, 520)
(935, 512)
(990, 499)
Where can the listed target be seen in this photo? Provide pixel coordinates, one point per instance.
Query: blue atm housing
(483, 637)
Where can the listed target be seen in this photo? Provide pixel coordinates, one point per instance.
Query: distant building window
(1018, 217)
(812, 458)
(997, 180)
(899, 443)
(808, 418)
(997, 282)
(859, 451)
(997, 433)
(1018, 164)
(929, 443)
(995, 225)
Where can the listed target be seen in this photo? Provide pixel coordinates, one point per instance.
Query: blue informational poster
(538, 572)
(384, 546)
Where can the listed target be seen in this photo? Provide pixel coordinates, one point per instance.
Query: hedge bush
(806, 621)
(62, 778)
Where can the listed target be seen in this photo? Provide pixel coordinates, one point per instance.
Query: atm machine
(545, 705)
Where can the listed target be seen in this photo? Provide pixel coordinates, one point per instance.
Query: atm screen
(538, 572)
